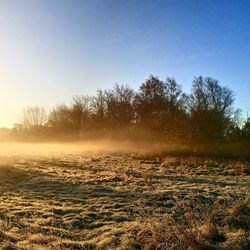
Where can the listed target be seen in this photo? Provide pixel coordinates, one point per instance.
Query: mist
(95, 146)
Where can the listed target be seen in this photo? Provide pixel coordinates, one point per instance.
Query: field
(114, 200)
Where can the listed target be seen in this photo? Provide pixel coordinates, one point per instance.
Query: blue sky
(51, 50)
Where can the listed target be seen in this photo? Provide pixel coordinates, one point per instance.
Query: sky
(51, 50)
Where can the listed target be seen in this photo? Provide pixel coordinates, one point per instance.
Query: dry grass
(123, 201)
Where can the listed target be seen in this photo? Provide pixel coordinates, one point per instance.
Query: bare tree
(159, 103)
(150, 102)
(99, 108)
(60, 117)
(80, 111)
(211, 109)
(119, 105)
(33, 117)
(174, 95)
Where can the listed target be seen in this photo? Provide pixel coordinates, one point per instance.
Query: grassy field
(123, 201)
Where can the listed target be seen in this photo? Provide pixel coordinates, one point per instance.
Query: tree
(159, 107)
(211, 109)
(80, 110)
(174, 95)
(175, 120)
(150, 102)
(60, 117)
(34, 117)
(119, 106)
(99, 109)
(246, 130)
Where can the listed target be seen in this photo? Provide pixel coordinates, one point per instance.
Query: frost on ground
(122, 201)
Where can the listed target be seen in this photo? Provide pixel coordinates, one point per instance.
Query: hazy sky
(51, 50)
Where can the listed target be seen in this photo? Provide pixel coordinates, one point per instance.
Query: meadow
(109, 199)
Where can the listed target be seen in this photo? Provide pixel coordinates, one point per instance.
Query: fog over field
(52, 148)
(29, 149)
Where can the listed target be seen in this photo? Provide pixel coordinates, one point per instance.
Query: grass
(123, 201)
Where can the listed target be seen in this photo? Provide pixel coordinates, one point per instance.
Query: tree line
(159, 111)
